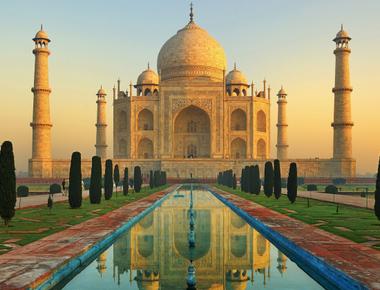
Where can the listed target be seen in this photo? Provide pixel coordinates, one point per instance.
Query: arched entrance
(238, 149)
(145, 149)
(192, 134)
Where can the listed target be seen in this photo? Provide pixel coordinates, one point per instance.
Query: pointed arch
(123, 148)
(238, 149)
(261, 149)
(122, 120)
(238, 120)
(261, 124)
(145, 120)
(145, 149)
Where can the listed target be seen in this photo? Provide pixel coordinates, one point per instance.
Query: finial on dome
(191, 12)
(148, 65)
(235, 65)
(341, 27)
(42, 27)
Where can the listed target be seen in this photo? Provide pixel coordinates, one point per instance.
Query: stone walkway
(360, 262)
(41, 199)
(28, 266)
(354, 200)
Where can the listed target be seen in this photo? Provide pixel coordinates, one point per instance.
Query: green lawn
(31, 224)
(345, 188)
(356, 224)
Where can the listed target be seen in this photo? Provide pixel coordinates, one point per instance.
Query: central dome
(192, 52)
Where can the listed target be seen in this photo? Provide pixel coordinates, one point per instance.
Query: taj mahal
(193, 115)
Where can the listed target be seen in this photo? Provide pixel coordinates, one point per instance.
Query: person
(63, 186)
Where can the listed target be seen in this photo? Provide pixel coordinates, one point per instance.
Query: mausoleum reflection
(228, 252)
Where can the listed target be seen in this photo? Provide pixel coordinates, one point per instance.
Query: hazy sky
(288, 42)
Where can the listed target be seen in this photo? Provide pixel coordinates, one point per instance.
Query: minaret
(101, 125)
(282, 126)
(342, 98)
(41, 124)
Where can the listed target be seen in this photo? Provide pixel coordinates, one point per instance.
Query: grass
(31, 224)
(358, 188)
(356, 224)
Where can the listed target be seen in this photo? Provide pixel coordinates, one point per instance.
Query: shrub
(108, 180)
(339, 181)
(96, 180)
(377, 192)
(268, 179)
(50, 203)
(75, 183)
(292, 182)
(125, 181)
(137, 179)
(300, 180)
(331, 189)
(116, 176)
(22, 191)
(55, 188)
(311, 187)
(277, 179)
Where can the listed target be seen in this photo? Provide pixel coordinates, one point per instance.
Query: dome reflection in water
(155, 253)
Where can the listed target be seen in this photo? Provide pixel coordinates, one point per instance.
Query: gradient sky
(95, 42)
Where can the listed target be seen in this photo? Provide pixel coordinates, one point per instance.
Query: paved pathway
(355, 200)
(28, 266)
(360, 262)
(41, 199)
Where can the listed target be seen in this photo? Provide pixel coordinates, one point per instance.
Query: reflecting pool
(157, 252)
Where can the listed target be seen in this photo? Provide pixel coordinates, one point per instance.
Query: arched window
(261, 121)
(123, 148)
(145, 149)
(236, 92)
(145, 120)
(238, 120)
(191, 127)
(155, 92)
(261, 149)
(244, 92)
(147, 92)
(238, 148)
(122, 120)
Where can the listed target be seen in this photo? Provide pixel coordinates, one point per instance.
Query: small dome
(148, 77)
(342, 34)
(41, 34)
(101, 92)
(236, 77)
(281, 92)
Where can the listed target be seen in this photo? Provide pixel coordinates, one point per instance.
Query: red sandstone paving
(28, 266)
(360, 262)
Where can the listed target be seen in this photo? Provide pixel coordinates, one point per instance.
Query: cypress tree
(377, 192)
(116, 176)
(164, 178)
(156, 178)
(292, 182)
(251, 179)
(75, 181)
(108, 180)
(277, 179)
(256, 180)
(242, 180)
(245, 179)
(151, 180)
(125, 181)
(7, 183)
(137, 179)
(96, 180)
(268, 179)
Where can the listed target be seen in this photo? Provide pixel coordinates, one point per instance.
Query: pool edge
(321, 271)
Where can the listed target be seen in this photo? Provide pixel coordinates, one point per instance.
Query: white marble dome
(236, 77)
(192, 52)
(148, 77)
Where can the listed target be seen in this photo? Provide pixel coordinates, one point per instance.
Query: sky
(93, 43)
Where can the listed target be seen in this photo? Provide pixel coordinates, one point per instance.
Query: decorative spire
(235, 65)
(148, 65)
(42, 27)
(341, 27)
(191, 12)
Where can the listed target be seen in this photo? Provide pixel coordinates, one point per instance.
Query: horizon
(79, 64)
